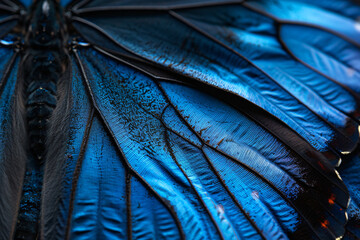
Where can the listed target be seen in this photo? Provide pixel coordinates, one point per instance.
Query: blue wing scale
(188, 160)
(335, 126)
(205, 119)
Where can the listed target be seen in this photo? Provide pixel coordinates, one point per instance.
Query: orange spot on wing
(332, 199)
(325, 224)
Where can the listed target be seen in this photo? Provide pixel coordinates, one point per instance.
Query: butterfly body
(44, 61)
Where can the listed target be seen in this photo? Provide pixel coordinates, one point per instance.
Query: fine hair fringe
(13, 162)
(55, 159)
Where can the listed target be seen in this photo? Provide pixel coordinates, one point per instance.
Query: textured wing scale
(154, 159)
(12, 131)
(100, 197)
(107, 194)
(160, 140)
(297, 12)
(215, 45)
(12, 163)
(192, 150)
(255, 37)
(337, 60)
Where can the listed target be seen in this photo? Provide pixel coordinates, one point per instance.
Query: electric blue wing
(297, 12)
(348, 8)
(96, 191)
(244, 56)
(187, 117)
(194, 160)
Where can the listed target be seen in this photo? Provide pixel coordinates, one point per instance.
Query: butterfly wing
(187, 161)
(218, 46)
(9, 16)
(200, 120)
(13, 158)
(12, 155)
(91, 198)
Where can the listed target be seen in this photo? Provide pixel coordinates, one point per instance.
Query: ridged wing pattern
(219, 171)
(12, 155)
(100, 196)
(55, 222)
(160, 160)
(348, 8)
(338, 59)
(250, 50)
(167, 154)
(297, 12)
(9, 16)
(12, 159)
(206, 119)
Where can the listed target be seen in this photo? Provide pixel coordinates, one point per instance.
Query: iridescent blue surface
(219, 180)
(299, 12)
(255, 37)
(348, 8)
(148, 216)
(6, 97)
(338, 58)
(100, 201)
(237, 50)
(219, 120)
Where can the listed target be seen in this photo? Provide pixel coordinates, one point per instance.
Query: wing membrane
(185, 163)
(301, 13)
(93, 196)
(337, 59)
(194, 47)
(224, 162)
(12, 157)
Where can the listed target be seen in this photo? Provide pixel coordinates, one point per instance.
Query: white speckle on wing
(46, 8)
(357, 24)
